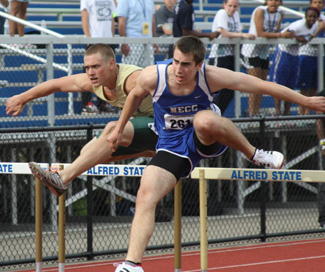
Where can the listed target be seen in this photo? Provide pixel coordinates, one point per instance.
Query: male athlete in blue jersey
(189, 127)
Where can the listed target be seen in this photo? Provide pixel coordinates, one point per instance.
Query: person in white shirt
(285, 65)
(265, 23)
(307, 77)
(227, 22)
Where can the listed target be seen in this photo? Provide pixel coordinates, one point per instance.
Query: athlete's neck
(111, 86)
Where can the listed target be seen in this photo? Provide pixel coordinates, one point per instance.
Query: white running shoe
(123, 267)
(271, 159)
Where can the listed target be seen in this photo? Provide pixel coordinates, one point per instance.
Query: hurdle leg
(62, 216)
(38, 225)
(203, 222)
(178, 225)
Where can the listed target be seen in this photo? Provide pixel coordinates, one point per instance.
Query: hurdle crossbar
(251, 174)
(204, 173)
(108, 169)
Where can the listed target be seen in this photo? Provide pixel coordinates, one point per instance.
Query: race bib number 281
(177, 122)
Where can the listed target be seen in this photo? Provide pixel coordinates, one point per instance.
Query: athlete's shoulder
(149, 73)
(149, 77)
(129, 67)
(81, 80)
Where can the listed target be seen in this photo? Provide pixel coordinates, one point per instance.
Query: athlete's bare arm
(73, 83)
(219, 78)
(146, 85)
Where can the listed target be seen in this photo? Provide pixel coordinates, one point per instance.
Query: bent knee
(109, 128)
(205, 121)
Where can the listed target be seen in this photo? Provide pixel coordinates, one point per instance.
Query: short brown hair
(192, 45)
(104, 50)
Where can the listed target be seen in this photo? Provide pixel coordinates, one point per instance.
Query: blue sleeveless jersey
(173, 115)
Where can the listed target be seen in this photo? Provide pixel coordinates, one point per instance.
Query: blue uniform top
(173, 115)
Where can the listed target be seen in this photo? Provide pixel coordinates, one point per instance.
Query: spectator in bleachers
(285, 65)
(265, 23)
(136, 19)
(18, 8)
(164, 17)
(307, 77)
(3, 5)
(97, 21)
(227, 22)
(184, 22)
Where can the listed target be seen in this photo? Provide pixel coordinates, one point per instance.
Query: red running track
(293, 256)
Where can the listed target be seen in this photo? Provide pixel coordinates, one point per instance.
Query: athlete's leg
(88, 145)
(109, 127)
(156, 182)
(210, 128)
(97, 152)
(147, 153)
(137, 140)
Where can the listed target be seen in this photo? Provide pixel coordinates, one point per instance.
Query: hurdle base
(38, 267)
(61, 267)
(177, 270)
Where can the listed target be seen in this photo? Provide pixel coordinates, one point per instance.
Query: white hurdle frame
(247, 174)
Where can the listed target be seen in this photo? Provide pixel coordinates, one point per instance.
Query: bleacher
(64, 16)
(19, 73)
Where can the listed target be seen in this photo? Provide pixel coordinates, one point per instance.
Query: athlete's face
(273, 5)
(231, 7)
(97, 69)
(184, 67)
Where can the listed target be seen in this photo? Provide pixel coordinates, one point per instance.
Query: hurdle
(247, 174)
(98, 170)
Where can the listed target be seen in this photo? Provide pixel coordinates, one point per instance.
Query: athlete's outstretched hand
(15, 105)
(316, 103)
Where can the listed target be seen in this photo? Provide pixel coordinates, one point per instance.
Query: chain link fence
(52, 129)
